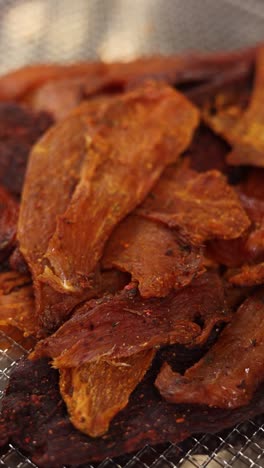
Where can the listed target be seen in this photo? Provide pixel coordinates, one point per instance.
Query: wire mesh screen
(66, 30)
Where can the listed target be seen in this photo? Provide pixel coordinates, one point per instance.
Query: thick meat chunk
(125, 324)
(157, 257)
(203, 205)
(229, 374)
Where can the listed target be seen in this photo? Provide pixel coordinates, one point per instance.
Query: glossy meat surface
(229, 374)
(157, 257)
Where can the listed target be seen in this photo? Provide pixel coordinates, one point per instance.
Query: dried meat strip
(157, 257)
(125, 324)
(95, 392)
(130, 143)
(231, 371)
(203, 205)
(35, 419)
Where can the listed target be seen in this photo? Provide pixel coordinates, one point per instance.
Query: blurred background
(67, 30)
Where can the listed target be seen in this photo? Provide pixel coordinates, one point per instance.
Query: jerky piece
(94, 393)
(158, 258)
(19, 130)
(116, 176)
(17, 306)
(125, 324)
(203, 205)
(8, 223)
(35, 419)
(246, 136)
(249, 248)
(229, 374)
(249, 275)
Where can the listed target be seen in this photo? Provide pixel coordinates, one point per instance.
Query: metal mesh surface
(67, 30)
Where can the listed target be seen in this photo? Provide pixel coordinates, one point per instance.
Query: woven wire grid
(65, 30)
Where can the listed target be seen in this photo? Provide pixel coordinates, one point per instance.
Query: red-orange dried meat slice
(203, 205)
(130, 142)
(157, 257)
(95, 392)
(230, 372)
(246, 135)
(125, 324)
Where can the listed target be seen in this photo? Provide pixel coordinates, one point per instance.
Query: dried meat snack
(124, 324)
(231, 371)
(35, 419)
(93, 142)
(159, 258)
(201, 204)
(246, 136)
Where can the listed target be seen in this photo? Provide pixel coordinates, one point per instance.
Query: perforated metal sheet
(68, 30)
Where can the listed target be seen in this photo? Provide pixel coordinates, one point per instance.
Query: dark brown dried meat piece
(203, 205)
(35, 419)
(125, 324)
(157, 257)
(231, 371)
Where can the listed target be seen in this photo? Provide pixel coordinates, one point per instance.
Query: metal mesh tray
(66, 30)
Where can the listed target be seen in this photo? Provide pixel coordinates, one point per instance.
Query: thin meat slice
(246, 136)
(95, 392)
(8, 223)
(249, 275)
(157, 257)
(203, 205)
(125, 324)
(35, 419)
(17, 305)
(130, 143)
(20, 128)
(249, 248)
(229, 374)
